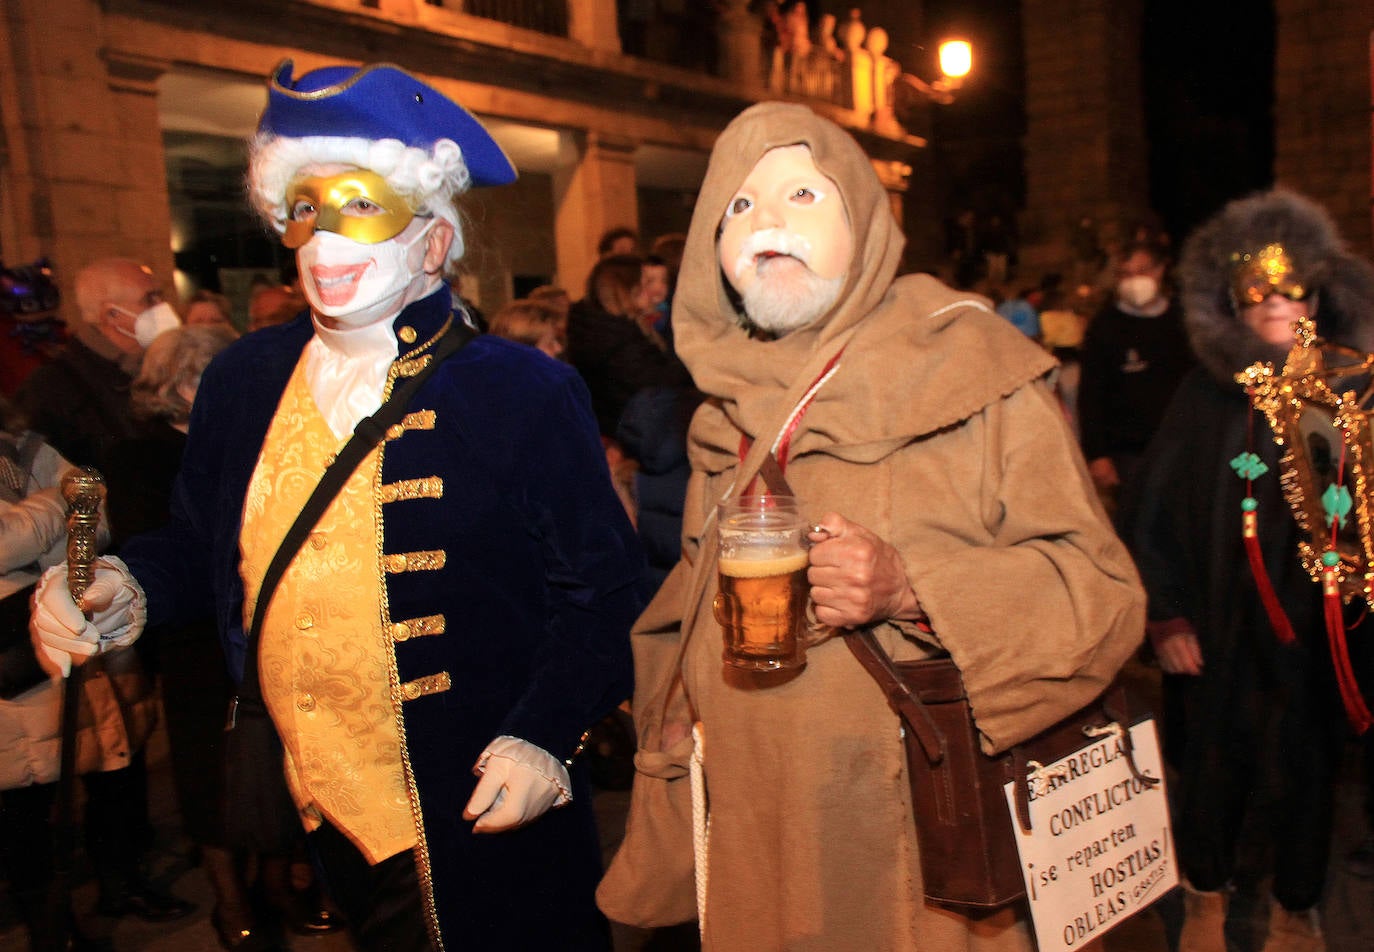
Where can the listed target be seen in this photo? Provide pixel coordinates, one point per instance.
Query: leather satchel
(963, 825)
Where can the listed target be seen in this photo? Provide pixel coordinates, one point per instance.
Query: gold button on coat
(305, 702)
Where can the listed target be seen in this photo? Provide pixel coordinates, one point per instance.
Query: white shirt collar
(346, 371)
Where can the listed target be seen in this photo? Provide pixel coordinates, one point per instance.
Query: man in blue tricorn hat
(458, 616)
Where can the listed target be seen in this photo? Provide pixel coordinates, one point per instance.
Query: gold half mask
(1268, 271)
(357, 204)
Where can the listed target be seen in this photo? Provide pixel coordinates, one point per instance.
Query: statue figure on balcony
(792, 48)
(858, 78)
(824, 63)
(886, 70)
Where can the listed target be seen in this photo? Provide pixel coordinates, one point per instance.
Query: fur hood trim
(1343, 283)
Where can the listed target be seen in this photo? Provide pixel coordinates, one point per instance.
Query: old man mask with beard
(785, 241)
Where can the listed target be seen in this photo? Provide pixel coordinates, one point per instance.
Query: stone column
(740, 36)
(591, 195)
(593, 24)
(1086, 154)
(1322, 109)
(86, 156)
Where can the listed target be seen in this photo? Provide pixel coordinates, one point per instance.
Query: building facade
(124, 120)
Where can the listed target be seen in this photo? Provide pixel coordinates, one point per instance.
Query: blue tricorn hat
(379, 101)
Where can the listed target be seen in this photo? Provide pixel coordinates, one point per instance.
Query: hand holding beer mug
(761, 602)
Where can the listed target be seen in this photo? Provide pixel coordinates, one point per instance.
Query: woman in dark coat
(614, 352)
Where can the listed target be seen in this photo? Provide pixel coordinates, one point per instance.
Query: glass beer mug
(761, 600)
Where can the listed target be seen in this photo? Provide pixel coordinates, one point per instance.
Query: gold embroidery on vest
(417, 627)
(417, 351)
(426, 561)
(419, 420)
(427, 487)
(409, 368)
(429, 684)
(340, 756)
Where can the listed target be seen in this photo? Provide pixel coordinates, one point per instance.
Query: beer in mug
(762, 593)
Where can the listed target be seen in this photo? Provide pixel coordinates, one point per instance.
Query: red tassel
(1355, 710)
(1278, 619)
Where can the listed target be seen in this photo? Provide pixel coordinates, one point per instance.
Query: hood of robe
(930, 356)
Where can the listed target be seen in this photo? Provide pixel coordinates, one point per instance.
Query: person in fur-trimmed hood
(959, 517)
(1242, 706)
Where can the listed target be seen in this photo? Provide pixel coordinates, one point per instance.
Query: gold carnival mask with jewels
(357, 204)
(1256, 275)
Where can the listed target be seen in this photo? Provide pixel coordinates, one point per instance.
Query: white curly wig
(429, 181)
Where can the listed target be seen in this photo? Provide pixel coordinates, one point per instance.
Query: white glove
(520, 782)
(63, 635)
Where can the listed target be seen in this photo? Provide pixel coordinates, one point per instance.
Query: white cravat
(346, 371)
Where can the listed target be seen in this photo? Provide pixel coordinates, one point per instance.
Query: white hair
(429, 181)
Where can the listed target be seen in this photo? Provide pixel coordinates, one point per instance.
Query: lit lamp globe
(956, 59)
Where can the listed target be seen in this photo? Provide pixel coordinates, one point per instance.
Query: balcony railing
(542, 16)
(838, 61)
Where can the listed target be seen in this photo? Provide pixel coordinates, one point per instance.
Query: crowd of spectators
(112, 386)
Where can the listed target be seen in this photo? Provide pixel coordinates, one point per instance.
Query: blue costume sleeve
(592, 563)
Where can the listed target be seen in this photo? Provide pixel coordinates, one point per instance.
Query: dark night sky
(1207, 80)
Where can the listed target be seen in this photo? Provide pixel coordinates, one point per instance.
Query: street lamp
(956, 59)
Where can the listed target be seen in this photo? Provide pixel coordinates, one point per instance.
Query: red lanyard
(785, 440)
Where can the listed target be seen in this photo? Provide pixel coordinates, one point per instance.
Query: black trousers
(116, 824)
(382, 903)
(1278, 743)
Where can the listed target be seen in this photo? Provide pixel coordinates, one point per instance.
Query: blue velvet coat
(537, 592)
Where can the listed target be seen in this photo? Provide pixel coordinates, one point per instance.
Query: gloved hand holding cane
(61, 630)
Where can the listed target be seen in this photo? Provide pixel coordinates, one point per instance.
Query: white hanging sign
(1100, 847)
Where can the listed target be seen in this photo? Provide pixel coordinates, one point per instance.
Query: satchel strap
(367, 434)
(904, 702)
(1112, 713)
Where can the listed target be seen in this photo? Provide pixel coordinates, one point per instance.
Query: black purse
(259, 813)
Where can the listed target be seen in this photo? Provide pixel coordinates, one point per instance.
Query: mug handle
(816, 633)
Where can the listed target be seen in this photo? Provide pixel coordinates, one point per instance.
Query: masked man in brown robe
(958, 518)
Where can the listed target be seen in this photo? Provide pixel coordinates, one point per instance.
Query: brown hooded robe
(938, 433)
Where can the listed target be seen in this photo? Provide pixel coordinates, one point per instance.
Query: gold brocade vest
(324, 663)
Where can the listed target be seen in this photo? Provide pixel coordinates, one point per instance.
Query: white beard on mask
(354, 284)
(782, 303)
(778, 301)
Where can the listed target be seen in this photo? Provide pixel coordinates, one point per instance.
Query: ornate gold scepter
(84, 491)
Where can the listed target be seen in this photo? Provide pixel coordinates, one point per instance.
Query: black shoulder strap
(368, 433)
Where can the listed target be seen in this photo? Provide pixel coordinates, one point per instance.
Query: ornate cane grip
(84, 491)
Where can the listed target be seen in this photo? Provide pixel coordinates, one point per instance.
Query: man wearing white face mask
(1134, 355)
(455, 617)
(80, 400)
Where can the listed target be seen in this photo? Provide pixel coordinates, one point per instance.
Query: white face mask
(1137, 290)
(149, 323)
(357, 284)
